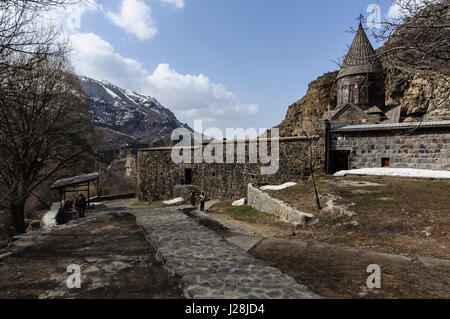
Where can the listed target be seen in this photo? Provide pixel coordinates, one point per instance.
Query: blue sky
(232, 63)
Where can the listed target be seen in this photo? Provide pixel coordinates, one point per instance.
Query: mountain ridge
(127, 119)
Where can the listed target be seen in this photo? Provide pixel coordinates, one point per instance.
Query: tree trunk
(18, 216)
(311, 171)
(316, 193)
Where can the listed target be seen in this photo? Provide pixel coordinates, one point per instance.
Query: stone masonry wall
(265, 203)
(158, 174)
(420, 149)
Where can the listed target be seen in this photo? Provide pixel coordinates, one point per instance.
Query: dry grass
(404, 216)
(242, 213)
(396, 194)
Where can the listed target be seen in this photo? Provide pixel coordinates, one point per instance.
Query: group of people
(202, 200)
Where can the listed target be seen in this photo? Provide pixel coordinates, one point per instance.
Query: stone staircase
(197, 192)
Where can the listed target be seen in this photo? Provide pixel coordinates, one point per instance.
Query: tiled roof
(388, 126)
(73, 181)
(361, 57)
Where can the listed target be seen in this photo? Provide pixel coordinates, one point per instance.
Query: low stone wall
(266, 204)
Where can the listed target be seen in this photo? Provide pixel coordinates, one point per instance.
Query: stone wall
(157, 174)
(420, 148)
(265, 203)
(368, 90)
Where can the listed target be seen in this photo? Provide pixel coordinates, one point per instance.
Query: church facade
(364, 133)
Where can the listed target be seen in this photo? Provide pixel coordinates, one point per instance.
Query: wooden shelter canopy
(74, 181)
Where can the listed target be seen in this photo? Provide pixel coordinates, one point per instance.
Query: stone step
(197, 192)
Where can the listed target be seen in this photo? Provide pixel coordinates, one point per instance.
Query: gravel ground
(115, 259)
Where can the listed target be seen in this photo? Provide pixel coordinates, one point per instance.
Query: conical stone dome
(360, 58)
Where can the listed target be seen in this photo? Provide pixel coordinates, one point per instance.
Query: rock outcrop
(421, 95)
(305, 113)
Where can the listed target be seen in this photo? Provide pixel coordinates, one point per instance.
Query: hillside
(322, 94)
(420, 95)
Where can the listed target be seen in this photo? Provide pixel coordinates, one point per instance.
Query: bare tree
(418, 38)
(22, 31)
(311, 167)
(45, 124)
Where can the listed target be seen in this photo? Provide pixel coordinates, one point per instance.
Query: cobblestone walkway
(208, 265)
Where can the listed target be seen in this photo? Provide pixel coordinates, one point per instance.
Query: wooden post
(89, 196)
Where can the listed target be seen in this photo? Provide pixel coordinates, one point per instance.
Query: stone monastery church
(360, 133)
(360, 87)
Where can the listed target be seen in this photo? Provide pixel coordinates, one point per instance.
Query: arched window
(354, 94)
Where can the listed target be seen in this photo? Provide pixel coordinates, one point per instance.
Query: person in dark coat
(80, 205)
(193, 199)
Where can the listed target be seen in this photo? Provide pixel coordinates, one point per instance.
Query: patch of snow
(155, 110)
(49, 219)
(240, 202)
(278, 188)
(97, 99)
(396, 172)
(174, 201)
(114, 95)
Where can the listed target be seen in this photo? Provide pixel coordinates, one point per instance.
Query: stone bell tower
(359, 81)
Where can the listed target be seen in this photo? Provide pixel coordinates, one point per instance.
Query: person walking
(193, 199)
(202, 201)
(80, 205)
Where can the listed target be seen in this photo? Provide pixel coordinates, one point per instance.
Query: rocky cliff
(305, 113)
(421, 95)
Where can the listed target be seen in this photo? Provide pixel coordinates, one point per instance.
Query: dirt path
(339, 271)
(115, 259)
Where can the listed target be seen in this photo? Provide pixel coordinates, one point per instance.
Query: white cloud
(397, 10)
(96, 58)
(134, 17)
(189, 96)
(195, 96)
(179, 4)
(70, 16)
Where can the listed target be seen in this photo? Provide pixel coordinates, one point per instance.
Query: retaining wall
(266, 204)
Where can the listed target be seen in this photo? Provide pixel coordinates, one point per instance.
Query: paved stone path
(208, 265)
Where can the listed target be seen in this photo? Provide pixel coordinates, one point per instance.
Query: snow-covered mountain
(126, 118)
